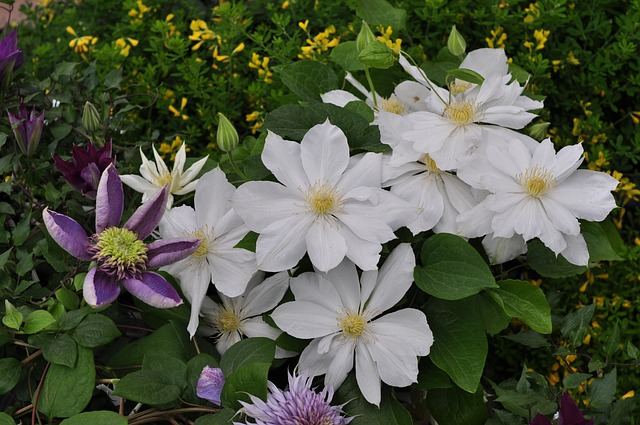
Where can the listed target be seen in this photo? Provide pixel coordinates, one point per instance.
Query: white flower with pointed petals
(343, 316)
(326, 204)
(156, 174)
(534, 193)
(216, 261)
(241, 316)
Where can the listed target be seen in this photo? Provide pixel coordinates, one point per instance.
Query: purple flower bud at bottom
(210, 384)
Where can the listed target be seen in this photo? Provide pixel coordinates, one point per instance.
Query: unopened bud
(365, 37)
(538, 131)
(90, 118)
(227, 136)
(377, 55)
(456, 43)
(27, 128)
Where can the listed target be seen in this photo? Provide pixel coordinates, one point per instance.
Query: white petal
(367, 375)
(306, 320)
(325, 153)
(187, 177)
(366, 172)
(262, 203)
(138, 184)
(178, 222)
(194, 283)
(500, 250)
(576, 251)
(338, 97)
(489, 63)
(344, 279)
(231, 277)
(315, 288)
(587, 194)
(265, 296)
(363, 253)
(282, 157)
(180, 159)
(325, 246)
(312, 361)
(213, 197)
(342, 363)
(405, 330)
(226, 340)
(282, 245)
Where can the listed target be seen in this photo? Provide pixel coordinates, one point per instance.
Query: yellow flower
(572, 59)
(304, 25)
(630, 394)
(166, 148)
(262, 65)
(179, 113)
(81, 45)
(319, 44)
(238, 48)
(385, 38)
(138, 14)
(532, 13)
(200, 32)
(497, 39)
(541, 38)
(285, 4)
(125, 44)
(254, 116)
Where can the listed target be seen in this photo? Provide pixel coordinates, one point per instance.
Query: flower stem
(371, 87)
(235, 166)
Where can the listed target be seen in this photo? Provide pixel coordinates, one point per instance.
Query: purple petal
(540, 419)
(570, 414)
(153, 289)
(163, 252)
(109, 200)
(67, 233)
(149, 214)
(99, 288)
(210, 384)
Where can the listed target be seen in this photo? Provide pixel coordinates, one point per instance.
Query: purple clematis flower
(120, 252)
(27, 128)
(10, 57)
(84, 170)
(569, 414)
(210, 383)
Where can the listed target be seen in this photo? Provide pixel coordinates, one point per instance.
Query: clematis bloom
(27, 128)
(11, 58)
(120, 252)
(85, 168)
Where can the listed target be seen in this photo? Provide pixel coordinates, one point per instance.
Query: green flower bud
(91, 118)
(538, 131)
(456, 43)
(227, 135)
(365, 37)
(377, 55)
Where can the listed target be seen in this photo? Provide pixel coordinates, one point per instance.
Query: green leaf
(248, 242)
(95, 330)
(632, 350)
(62, 350)
(78, 281)
(596, 364)
(194, 369)
(548, 264)
(222, 417)
(6, 419)
(5, 338)
(453, 406)
(147, 387)
(10, 370)
(64, 69)
(345, 54)
(525, 301)
(452, 269)
(381, 12)
(612, 341)
(68, 298)
(97, 417)
(490, 312)
(3, 139)
(71, 319)
(518, 73)
(465, 75)
(174, 370)
(247, 379)
(390, 412)
(67, 391)
(361, 108)
(574, 325)
(460, 344)
(603, 241)
(4, 257)
(37, 321)
(5, 164)
(113, 79)
(60, 131)
(309, 79)
(529, 339)
(575, 379)
(431, 376)
(12, 317)
(377, 55)
(602, 390)
(21, 232)
(246, 351)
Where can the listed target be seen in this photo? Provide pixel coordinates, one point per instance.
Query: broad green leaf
(97, 418)
(575, 379)
(602, 240)
(390, 412)
(12, 317)
(78, 281)
(5, 338)
(525, 301)
(37, 321)
(460, 344)
(62, 350)
(113, 79)
(147, 387)
(452, 269)
(377, 55)
(194, 369)
(95, 330)
(612, 341)
(431, 376)
(309, 79)
(574, 325)
(72, 318)
(249, 378)
(361, 108)
(490, 312)
(174, 370)
(345, 54)
(10, 370)
(66, 391)
(21, 232)
(602, 390)
(223, 417)
(453, 406)
(68, 298)
(529, 338)
(518, 73)
(548, 264)
(596, 364)
(65, 69)
(4, 257)
(632, 350)
(246, 351)
(465, 75)
(6, 419)
(622, 410)
(381, 12)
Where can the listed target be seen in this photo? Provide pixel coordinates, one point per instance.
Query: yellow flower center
(203, 249)
(352, 324)
(461, 113)
(119, 252)
(228, 322)
(459, 87)
(537, 181)
(165, 178)
(393, 105)
(431, 164)
(322, 198)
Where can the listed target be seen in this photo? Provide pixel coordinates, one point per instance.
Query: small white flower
(242, 315)
(55, 103)
(534, 193)
(342, 314)
(327, 205)
(156, 174)
(216, 261)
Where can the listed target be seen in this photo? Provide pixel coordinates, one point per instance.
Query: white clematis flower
(326, 204)
(156, 174)
(216, 261)
(343, 316)
(242, 315)
(535, 193)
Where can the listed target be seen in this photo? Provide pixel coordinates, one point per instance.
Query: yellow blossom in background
(172, 27)
(599, 163)
(635, 117)
(81, 44)
(572, 59)
(179, 113)
(200, 32)
(238, 49)
(303, 25)
(257, 120)
(497, 39)
(285, 5)
(125, 44)
(172, 149)
(318, 44)
(385, 38)
(533, 12)
(541, 38)
(262, 65)
(630, 394)
(138, 14)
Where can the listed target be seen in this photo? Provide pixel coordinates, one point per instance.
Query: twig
(34, 412)
(31, 357)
